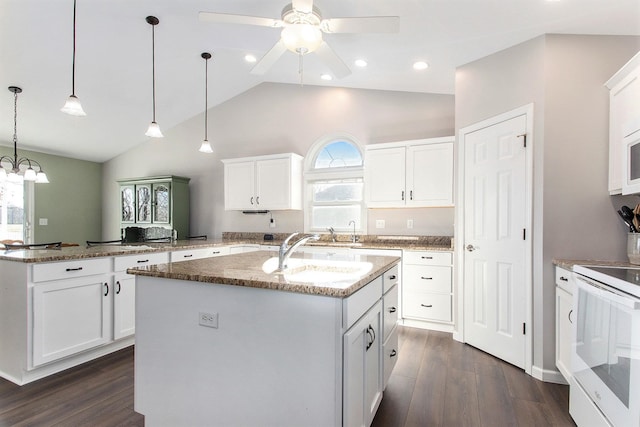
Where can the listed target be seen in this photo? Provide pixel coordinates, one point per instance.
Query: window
(334, 186)
(14, 204)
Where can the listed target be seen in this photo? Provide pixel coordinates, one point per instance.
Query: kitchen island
(229, 341)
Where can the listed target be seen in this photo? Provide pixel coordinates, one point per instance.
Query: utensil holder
(633, 248)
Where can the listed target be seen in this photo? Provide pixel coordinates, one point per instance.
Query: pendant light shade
(206, 146)
(72, 106)
(14, 162)
(154, 130)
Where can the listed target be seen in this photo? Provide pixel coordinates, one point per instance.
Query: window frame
(313, 175)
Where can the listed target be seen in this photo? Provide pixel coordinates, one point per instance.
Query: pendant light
(154, 130)
(206, 146)
(72, 106)
(29, 173)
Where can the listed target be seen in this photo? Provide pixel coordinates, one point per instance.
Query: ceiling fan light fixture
(301, 38)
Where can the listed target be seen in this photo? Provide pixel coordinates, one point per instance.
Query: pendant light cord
(73, 62)
(206, 97)
(15, 128)
(153, 67)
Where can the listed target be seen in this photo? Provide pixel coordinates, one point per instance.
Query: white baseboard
(432, 326)
(547, 375)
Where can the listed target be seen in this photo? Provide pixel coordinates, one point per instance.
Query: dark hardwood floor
(437, 382)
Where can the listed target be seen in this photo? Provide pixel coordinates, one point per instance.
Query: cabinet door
(127, 204)
(239, 186)
(430, 175)
(162, 203)
(70, 316)
(124, 306)
(273, 184)
(385, 177)
(564, 317)
(362, 374)
(143, 203)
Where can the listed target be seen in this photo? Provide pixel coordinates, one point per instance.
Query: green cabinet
(159, 201)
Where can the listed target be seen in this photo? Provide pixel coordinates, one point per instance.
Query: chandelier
(29, 173)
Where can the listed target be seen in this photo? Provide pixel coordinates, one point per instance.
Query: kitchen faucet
(333, 234)
(354, 238)
(286, 251)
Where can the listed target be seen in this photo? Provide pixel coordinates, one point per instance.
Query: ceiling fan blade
(269, 58)
(332, 60)
(226, 18)
(365, 24)
(305, 6)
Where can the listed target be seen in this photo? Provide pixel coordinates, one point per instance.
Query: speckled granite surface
(568, 264)
(429, 243)
(248, 269)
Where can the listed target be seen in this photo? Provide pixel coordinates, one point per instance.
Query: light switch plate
(409, 223)
(43, 221)
(209, 320)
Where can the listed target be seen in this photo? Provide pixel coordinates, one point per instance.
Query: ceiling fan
(302, 27)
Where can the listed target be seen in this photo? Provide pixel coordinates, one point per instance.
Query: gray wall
(71, 202)
(278, 118)
(574, 217)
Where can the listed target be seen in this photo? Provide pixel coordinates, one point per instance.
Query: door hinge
(524, 234)
(524, 139)
(524, 329)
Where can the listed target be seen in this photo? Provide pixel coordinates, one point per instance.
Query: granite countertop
(253, 269)
(568, 264)
(425, 243)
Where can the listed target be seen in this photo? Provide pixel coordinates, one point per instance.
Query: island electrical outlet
(209, 320)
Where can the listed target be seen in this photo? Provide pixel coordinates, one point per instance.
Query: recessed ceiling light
(420, 65)
(360, 63)
(326, 77)
(250, 58)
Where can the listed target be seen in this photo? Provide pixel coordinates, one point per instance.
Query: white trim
(548, 376)
(526, 110)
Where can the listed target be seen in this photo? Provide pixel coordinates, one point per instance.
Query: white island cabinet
(262, 352)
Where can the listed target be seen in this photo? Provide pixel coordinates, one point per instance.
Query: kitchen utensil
(629, 216)
(632, 228)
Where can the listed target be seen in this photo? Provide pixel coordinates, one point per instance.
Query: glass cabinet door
(127, 203)
(161, 203)
(143, 196)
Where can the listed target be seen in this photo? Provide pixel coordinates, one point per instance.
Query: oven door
(606, 353)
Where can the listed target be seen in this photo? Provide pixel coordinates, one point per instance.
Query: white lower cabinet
(124, 306)
(564, 320)
(70, 316)
(362, 383)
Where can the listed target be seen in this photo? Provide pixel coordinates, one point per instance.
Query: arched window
(334, 186)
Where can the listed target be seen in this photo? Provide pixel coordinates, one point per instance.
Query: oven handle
(611, 293)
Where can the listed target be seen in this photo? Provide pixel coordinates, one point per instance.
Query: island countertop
(249, 270)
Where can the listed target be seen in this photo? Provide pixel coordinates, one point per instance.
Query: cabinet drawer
(418, 278)
(390, 350)
(189, 254)
(121, 263)
(359, 303)
(390, 278)
(564, 279)
(427, 258)
(70, 269)
(427, 306)
(390, 310)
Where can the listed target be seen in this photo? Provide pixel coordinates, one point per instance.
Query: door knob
(470, 248)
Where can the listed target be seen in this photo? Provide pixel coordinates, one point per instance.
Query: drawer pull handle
(426, 257)
(74, 269)
(119, 287)
(393, 277)
(426, 278)
(427, 306)
(106, 291)
(252, 200)
(393, 353)
(215, 252)
(187, 256)
(392, 309)
(140, 261)
(564, 279)
(402, 196)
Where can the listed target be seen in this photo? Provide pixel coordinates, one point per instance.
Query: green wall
(71, 202)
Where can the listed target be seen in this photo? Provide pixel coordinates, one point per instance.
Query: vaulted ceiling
(113, 62)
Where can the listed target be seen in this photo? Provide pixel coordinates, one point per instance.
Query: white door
(496, 239)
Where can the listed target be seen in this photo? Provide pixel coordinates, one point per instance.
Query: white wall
(574, 217)
(277, 118)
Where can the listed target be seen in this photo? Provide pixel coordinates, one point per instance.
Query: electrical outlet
(409, 223)
(209, 320)
(379, 223)
(43, 221)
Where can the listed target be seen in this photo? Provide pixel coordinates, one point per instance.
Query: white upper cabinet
(263, 183)
(624, 118)
(417, 173)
